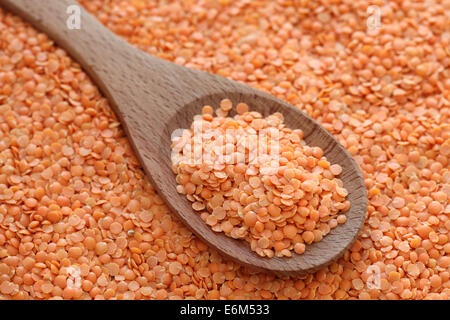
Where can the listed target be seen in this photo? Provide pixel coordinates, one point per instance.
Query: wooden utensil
(153, 97)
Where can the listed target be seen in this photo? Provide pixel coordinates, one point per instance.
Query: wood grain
(153, 97)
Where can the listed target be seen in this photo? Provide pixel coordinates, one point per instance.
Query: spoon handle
(125, 74)
(74, 29)
(109, 60)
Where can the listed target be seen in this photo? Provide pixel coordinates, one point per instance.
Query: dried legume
(258, 180)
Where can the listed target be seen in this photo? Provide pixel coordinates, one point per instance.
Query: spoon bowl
(317, 255)
(153, 97)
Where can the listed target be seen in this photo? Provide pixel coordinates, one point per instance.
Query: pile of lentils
(253, 178)
(79, 219)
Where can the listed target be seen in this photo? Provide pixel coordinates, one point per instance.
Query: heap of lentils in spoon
(255, 179)
(79, 220)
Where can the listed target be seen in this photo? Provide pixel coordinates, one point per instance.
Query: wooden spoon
(153, 97)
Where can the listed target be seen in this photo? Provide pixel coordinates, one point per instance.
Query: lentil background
(79, 220)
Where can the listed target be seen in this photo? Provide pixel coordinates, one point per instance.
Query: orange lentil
(54, 216)
(241, 108)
